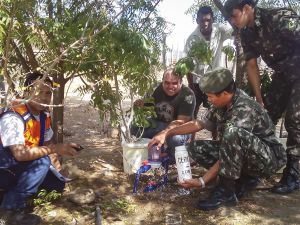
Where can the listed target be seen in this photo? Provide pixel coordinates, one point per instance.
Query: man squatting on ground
(25, 149)
(214, 35)
(246, 147)
(174, 105)
(274, 34)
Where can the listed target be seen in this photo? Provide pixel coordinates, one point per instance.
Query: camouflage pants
(240, 152)
(284, 96)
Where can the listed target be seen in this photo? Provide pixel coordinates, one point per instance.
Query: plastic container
(134, 154)
(183, 163)
(154, 154)
(155, 164)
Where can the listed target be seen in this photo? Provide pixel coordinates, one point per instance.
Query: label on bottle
(183, 163)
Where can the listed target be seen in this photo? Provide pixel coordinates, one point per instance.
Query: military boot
(245, 184)
(222, 195)
(290, 177)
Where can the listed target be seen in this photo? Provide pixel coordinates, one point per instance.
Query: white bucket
(134, 154)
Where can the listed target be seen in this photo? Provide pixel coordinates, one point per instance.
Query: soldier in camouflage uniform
(246, 147)
(274, 34)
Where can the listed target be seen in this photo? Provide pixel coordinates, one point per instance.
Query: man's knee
(42, 164)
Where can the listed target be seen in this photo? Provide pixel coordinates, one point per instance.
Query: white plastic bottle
(183, 163)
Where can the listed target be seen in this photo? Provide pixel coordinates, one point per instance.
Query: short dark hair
(231, 88)
(230, 5)
(173, 72)
(33, 76)
(204, 10)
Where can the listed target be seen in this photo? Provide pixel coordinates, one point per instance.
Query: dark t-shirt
(168, 108)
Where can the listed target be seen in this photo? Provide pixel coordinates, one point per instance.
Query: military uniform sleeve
(209, 121)
(244, 117)
(287, 24)
(247, 37)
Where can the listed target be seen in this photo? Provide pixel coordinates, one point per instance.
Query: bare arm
(177, 127)
(187, 128)
(26, 153)
(54, 157)
(254, 79)
(210, 175)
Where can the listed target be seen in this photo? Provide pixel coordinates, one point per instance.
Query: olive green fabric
(216, 80)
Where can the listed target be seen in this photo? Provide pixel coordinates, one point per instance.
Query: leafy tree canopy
(96, 40)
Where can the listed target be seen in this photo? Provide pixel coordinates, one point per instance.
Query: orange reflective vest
(34, 130)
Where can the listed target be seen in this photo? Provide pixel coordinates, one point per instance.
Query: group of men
(245, 147)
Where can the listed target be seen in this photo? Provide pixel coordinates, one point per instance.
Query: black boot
(223, 194)
(289, 181)
(245, 184)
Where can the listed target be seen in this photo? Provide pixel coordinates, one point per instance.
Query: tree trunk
(58, 112)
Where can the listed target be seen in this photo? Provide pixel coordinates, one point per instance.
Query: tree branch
(20, 56)
(145, 19)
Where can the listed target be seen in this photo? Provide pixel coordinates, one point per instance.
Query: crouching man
(26, 151)
(174, 105)
(246, 147)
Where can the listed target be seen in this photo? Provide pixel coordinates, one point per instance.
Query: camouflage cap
(216, 80)
(232, 4)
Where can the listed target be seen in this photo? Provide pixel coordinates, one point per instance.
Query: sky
(174, 12)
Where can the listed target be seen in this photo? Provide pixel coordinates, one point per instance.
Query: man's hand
(67, 149)
(158, 140)
(190, 183)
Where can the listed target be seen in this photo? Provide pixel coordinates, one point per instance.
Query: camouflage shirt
(245, 113)
(275, 35)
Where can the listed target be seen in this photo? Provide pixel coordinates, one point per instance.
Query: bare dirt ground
(99, 167)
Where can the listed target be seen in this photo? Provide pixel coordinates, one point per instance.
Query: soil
(99, 167)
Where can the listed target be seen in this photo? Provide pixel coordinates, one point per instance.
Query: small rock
(82, 196)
